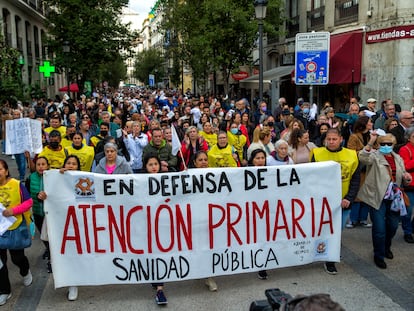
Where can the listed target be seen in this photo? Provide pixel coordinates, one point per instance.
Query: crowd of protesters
(122, 132)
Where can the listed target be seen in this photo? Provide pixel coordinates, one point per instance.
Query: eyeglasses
(385, 144)
(85, 117)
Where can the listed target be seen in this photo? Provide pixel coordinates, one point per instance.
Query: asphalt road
(359, 284)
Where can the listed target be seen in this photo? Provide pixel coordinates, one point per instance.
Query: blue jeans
(406, 223)
(21, 165)
(345, 215)
(359, 212)
(384, 227)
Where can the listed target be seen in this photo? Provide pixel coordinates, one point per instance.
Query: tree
(149, 62)
(94, 32)
(214, 35)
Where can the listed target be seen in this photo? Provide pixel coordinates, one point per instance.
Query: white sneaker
(211, 284)
(4, 298)
(28, 279)
(73, 293)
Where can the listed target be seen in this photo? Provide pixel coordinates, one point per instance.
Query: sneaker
(49, 267)
(389, 254)
(211, 284)
(380, 263)
(366, 224)
(160, 298)
(262, 275)
(408, 238)
(28, 279)
(4, 298)
(46, 255)
(73, 293)
(350, 225)
(330, 268)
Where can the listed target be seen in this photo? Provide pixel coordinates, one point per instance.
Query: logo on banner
(84, 187)
(321, 248)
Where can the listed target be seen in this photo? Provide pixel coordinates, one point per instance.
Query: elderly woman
(280, 155)
(112, 163)
(385, 174)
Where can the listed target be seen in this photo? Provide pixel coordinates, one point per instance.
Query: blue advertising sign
(312, 58)
(151, 80)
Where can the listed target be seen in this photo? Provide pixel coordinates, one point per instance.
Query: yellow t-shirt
(85, 155)
(55, 158)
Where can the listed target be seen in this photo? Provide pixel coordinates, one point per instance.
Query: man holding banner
(350, 174)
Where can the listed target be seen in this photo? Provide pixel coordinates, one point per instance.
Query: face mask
(234, 131)
(306, 110)
(270, 123)
(104, 133)
(221, 113)
(54, 144)
(231, 105)
(385, 149)
(264, 109)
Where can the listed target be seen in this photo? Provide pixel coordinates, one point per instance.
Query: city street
(359, 284)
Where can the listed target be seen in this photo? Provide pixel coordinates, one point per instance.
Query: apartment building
(371, 51)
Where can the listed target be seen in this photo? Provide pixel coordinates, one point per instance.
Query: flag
(176, 144)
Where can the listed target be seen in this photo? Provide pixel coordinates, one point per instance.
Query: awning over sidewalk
(268, 76)
(345, 58)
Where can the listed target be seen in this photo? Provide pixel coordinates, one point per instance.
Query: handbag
(405, 197)
(18, 238)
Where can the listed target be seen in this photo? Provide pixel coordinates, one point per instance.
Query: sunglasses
(385, 144)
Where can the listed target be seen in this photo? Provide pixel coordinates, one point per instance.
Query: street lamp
(260, 10)
(66, 51)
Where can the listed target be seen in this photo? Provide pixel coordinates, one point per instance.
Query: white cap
(371, 100)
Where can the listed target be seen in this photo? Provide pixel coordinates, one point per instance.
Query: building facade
(371, 50)
(23, 28)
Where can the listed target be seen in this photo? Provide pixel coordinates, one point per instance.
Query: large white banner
(117, 229)
(23, 135)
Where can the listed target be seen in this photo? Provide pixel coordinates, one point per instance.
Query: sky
(142, 7)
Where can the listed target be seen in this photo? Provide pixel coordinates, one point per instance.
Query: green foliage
(113, 71)
(149, 62)
(94, 32)
(215, 35)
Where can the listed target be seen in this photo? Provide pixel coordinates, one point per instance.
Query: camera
(276, 300)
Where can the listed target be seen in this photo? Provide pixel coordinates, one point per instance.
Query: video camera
(276, 300)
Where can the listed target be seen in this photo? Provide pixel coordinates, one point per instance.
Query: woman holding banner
(258, 158)
(71, 163)
(17, 202)
(152, 165)
(201, 161)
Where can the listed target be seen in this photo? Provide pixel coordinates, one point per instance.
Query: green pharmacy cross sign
(47, 69)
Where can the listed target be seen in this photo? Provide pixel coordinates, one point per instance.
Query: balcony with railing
(346, 11)
(316, 18)
(292, 26)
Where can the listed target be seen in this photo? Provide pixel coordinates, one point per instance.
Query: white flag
(176, 144)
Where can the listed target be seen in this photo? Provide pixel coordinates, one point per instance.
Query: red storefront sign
(389, 34)
(240, 75)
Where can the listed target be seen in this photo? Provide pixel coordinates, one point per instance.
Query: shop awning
(268, 76)
(345, 58)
